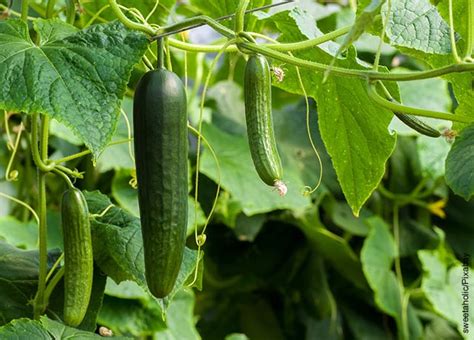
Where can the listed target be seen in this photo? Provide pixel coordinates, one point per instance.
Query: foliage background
(273, 268)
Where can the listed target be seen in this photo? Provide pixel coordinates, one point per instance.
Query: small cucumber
(258, 115)
(78, 259)
(161, 152)
(417, 125)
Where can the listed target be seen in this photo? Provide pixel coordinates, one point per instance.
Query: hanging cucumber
(161, 152)
(417, 125)
(78, 259)
(258, 115)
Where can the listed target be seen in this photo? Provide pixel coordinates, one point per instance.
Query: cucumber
(78, 259)
(417, 125)
(258, 116)
(161, 152)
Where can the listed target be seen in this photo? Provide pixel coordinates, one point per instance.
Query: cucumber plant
(84, 72)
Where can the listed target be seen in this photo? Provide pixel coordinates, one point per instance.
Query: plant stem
(24, 10)
(454, 49)
(39, 303)
(470, 29)
(393, 106)
(70, 12)
(44, 137)
(226, 32)
(382, 36)
(53, 282)
(240, 15)
(160, 56)
(86, 152)
(65, 177)
(50, 8)
(354, 73)
(127, 22)
(42, 166)
(96, 16)
(283, 47)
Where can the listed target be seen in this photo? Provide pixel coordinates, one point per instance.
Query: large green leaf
(76, 77)
(180, 319)
(24, 329)
(353, 129)
(416, 24)
(20, 234)
(460, 164)
(461, 24)
(44, 329)
(138, 318)
(445, 281)
(363, 20)
(240, 178)
(118, 245)
(377, 256)
(332, 247)
(18, 281)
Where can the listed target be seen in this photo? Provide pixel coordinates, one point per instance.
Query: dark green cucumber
(161, 152)
(78, 259)
(258, 115)
(417, 125)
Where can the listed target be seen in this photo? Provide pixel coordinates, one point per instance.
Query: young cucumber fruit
(78, 259)
(161, 152)
(418, 125)
(258, 115)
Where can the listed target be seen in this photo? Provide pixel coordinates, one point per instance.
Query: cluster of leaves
(293, 267)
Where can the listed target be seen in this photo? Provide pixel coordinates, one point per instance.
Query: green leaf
(353, 129)
(247, 227)
(363, 20)
(377, 256)
(117, 157)
(180, 318)
(18, 281)
(332, 247)
(118, 245)
(138, 318)
(77, 78)
(460, 164)
(444, 279)
(236, 336)
(440, 328)
(460, 10)
(433, 153)
(240, 178)
(24, 329)
(60, 331)
(416, 24)
(20, 234)
(126, 290)
(218, 8)
(342, 216)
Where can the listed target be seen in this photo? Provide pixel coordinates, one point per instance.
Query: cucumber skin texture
(78, 256)
(258, 116)
(418, 125)
(161, 153)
